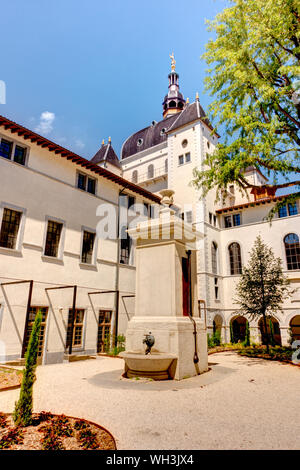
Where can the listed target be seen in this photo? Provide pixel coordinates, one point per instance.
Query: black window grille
(214, 260)
(10, 228)
(6, 148)
(54, 230)
(77, 330)
(20, 155)
(235, 258)
(292, 251)
(87, 247)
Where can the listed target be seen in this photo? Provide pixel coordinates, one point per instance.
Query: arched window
(134, 176)
(150, 171)
(235, 258)
(166, 166)
(172, 104)
(214, 258)
(292, 251)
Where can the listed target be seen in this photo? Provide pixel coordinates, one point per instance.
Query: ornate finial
(173, 62)
(109, 140)
(197, 96)
(103, 142)
(187, 101)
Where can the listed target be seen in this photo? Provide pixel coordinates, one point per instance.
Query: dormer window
(163, 131)
(140, 142)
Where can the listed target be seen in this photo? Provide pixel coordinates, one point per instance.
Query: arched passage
(217, 323)
(295, 327)
(238, 328)
(276, 330)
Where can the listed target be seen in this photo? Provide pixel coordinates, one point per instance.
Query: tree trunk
(266, 331)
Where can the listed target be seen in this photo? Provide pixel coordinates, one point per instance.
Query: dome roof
(157, 132)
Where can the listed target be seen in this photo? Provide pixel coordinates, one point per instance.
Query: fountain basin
(155, 365)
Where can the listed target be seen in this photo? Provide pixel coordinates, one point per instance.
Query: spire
(173, 101)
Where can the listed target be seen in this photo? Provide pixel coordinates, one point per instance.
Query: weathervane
(173, 62)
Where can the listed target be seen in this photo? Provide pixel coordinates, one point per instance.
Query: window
(188, 217)
(150, 171)
(146, 210)
(215, 220)
(187, 157)
(184, 143)
(292, 251)
(166, 166)
(87, 247)
(216, 289)
(293, 209)
(76, 338)
(91, 185)
(210, 216)
(228, 221)
(232, 220)
(289, 209)
(134, 176)
(86, 183)
(7, 149)
(131, 202)
(20, 155)
(180, 160)
(104, 326)
(125, 247)
(214, 258)
(10, 228)
(236, 220)
(54, 230)
(235, 258)
(32, 314)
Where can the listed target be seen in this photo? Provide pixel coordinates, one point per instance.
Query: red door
(185, 286)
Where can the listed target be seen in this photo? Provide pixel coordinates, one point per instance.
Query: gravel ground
(240, 403)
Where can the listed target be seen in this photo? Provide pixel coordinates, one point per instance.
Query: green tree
(262, 286)
(23, 408)
(254, 69)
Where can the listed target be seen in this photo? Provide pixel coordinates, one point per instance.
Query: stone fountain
(166, 300)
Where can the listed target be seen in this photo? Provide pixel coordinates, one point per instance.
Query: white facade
(41, 185)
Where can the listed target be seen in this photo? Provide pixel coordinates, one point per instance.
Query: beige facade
(43, 189)
(49, 197)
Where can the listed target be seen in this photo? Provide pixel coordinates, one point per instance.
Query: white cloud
(79, 144)
(45, 125)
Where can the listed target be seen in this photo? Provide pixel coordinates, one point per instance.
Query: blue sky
(99, 68)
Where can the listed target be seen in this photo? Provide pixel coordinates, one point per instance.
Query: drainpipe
(117, 296)
(190, 310)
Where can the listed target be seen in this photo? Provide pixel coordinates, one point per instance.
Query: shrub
(119, 344)
(22, 415)
(246, 342)
(51, 441)
(13, 436)
(80, 424)
(88, 439)
(3, 420)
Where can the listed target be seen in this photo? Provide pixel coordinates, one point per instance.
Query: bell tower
(174, 101)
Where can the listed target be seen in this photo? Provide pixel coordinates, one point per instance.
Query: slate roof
(153, 135)
(106, 153)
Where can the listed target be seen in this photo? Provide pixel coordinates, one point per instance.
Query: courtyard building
(52, 258)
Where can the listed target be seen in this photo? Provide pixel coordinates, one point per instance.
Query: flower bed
(10, 378)
(276, 353)
(54, 432)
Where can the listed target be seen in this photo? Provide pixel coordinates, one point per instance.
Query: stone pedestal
(165, 274)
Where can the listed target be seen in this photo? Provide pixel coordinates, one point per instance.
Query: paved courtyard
(240, 403)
